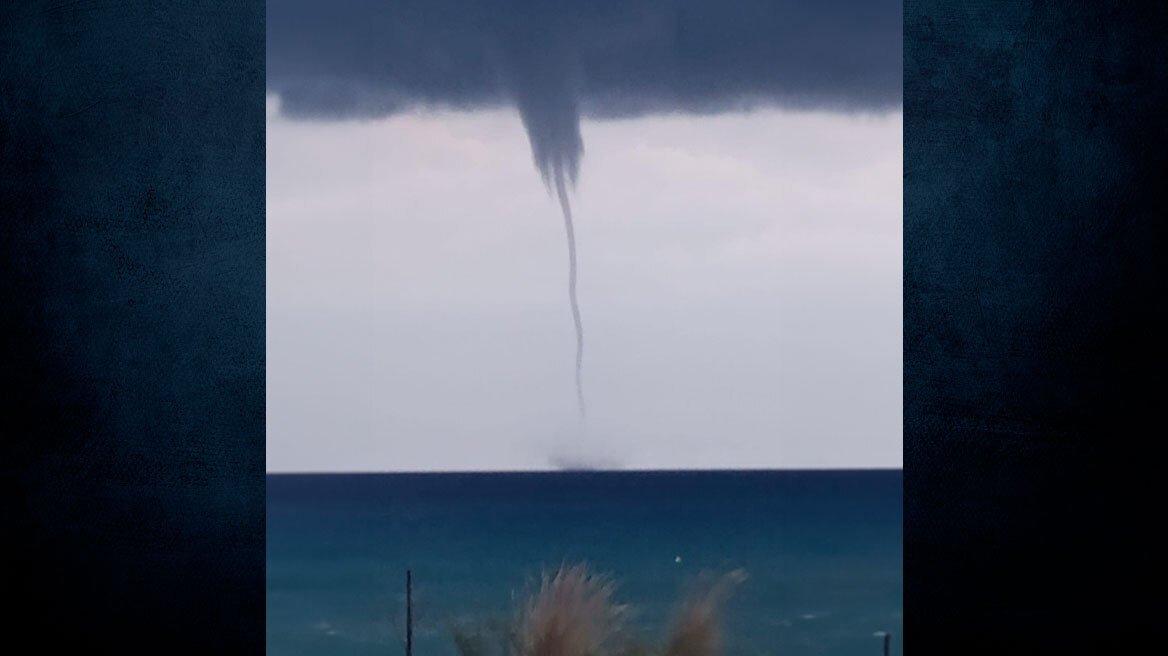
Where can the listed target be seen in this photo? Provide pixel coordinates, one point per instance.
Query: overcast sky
(739, 242)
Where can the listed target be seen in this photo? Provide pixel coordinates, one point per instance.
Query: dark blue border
(132, 306)
(1034, 323)
(132, 300)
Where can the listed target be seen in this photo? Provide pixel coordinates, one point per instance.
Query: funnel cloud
(543, 89)
(674, 67)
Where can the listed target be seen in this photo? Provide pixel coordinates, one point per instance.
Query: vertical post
(887, 640)
(410, 614)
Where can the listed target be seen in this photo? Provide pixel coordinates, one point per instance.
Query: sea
(821, 551)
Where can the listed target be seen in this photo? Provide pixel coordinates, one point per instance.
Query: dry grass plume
(571, 614)
(696, 629)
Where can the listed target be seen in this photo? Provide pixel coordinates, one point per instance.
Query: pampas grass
(571, 612)
(696, 630)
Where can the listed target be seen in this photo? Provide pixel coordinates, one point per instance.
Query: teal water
(822, 551)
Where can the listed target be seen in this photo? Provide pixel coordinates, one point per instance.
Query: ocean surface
(822, 552)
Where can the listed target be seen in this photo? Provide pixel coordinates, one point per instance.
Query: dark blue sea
(822, 552)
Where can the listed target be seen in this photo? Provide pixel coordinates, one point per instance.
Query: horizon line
(661, 470)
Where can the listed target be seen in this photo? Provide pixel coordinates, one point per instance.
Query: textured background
(132, 301)
(1034, 323)
(132, 306)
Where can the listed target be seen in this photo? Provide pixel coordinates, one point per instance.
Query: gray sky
(740, 283)
(737, 220)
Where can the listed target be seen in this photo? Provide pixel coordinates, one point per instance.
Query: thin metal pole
(410, 615)
(887, 640)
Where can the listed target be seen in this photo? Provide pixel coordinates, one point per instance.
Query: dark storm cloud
(557, 60)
